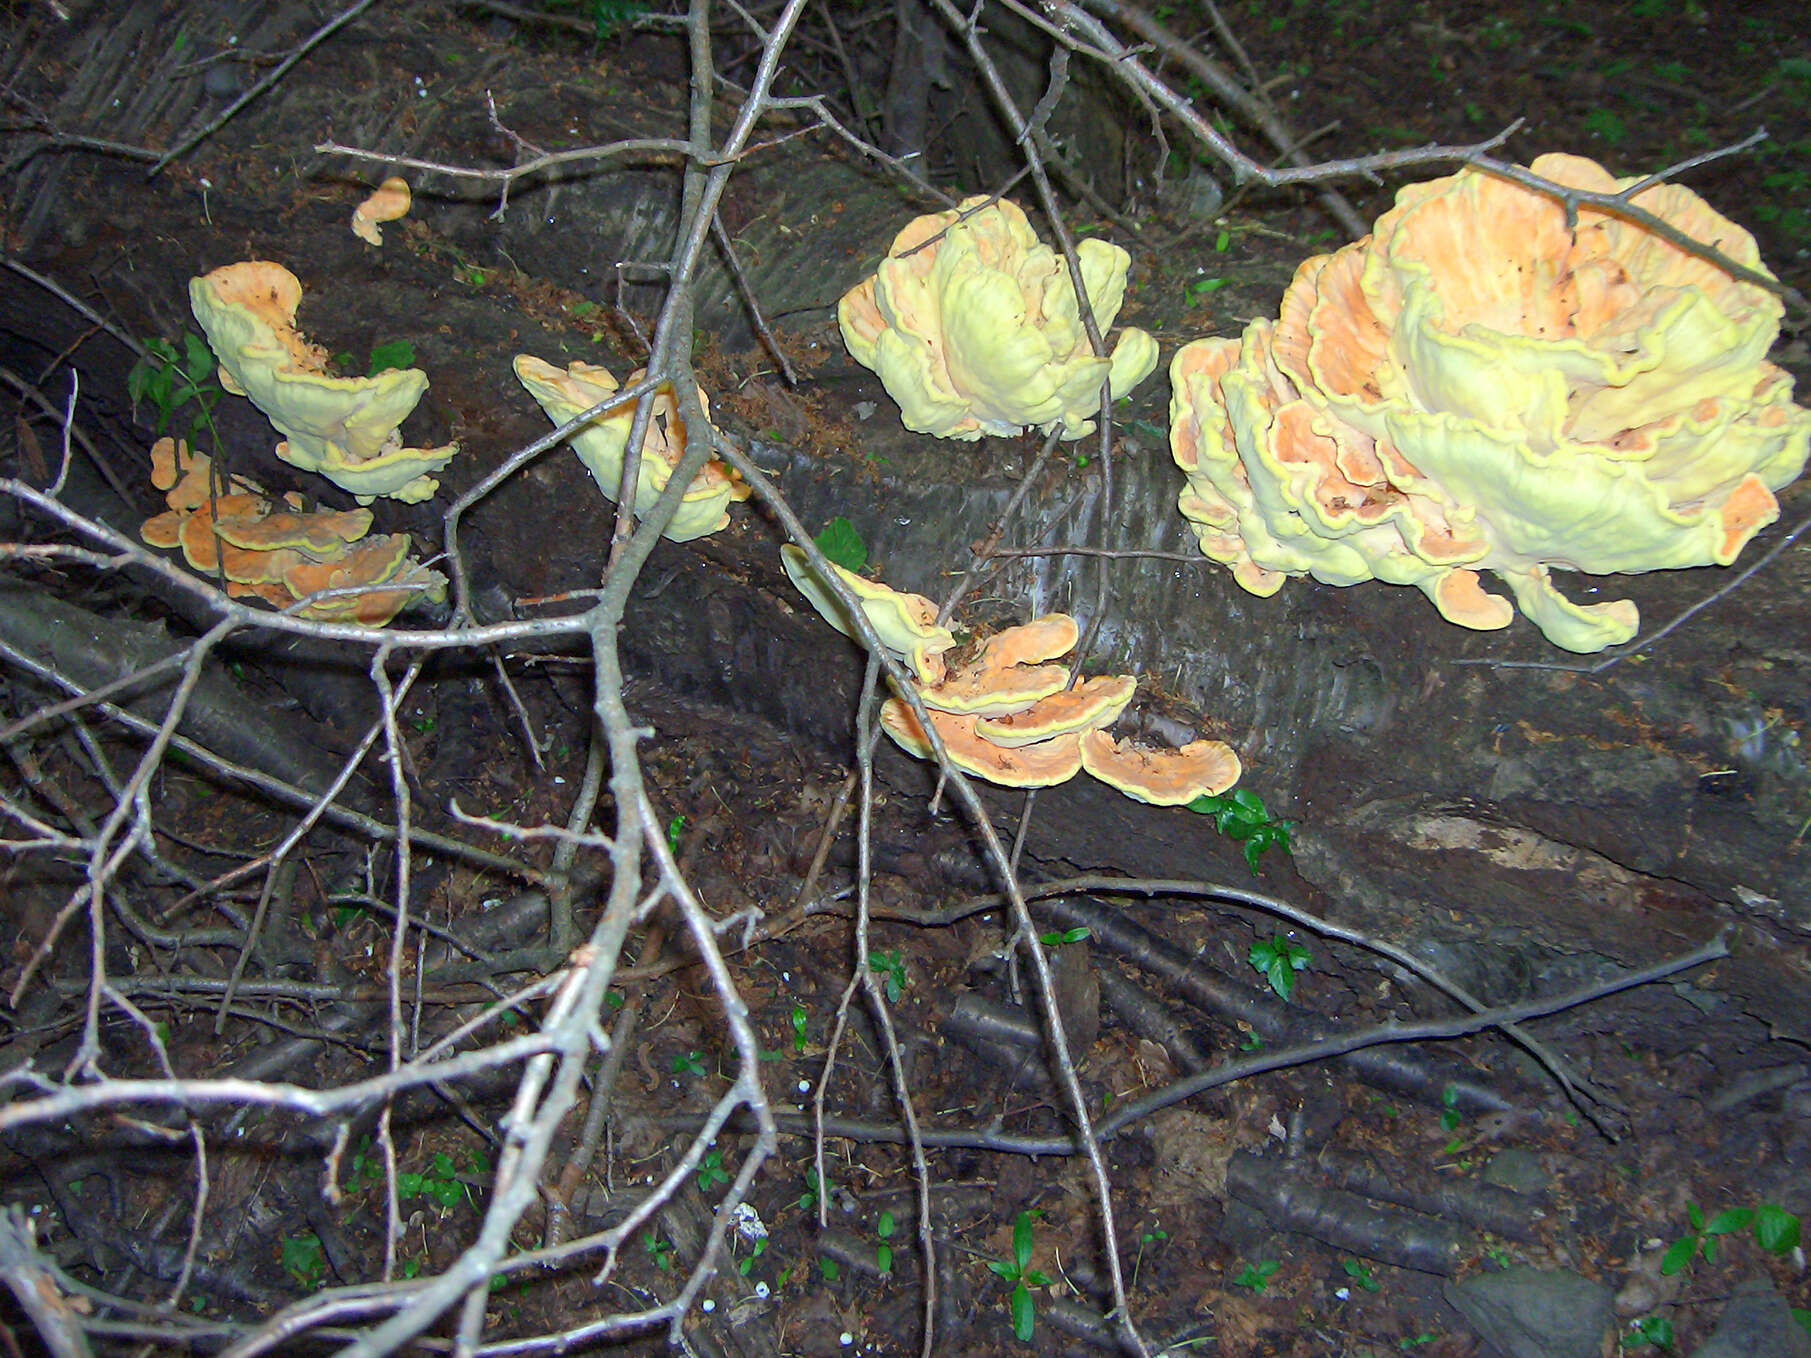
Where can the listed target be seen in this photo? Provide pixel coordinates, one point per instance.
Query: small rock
(1527, 1313)
(1518, 1170)
(1757, 1322)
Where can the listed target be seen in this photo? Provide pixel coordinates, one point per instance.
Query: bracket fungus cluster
(1007, 711)
(1482, 384)
(345, 428)
(281, 555)
(602, 444)
(972, 325)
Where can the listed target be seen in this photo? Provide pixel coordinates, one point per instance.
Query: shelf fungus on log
(1004, 707)
(972, 324)
(344, 428)
(282, 555)
(1482, 384)
(602, 444)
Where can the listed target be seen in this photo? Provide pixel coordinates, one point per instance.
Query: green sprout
(304, 1259)
(1257, 1276)
(884, 1227)
(1241, 816)
(1022, 1276)
(660, 1251)
(711, 1172)
(692, 1063)
(1775, 1230)
(843, 545)
(1277, 959)
(1359, 1274)
(170, 379)
(1061, 938)
(798, 1028)
(890, 967)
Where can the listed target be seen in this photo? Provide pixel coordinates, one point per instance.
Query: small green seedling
(1277, 960)
(1022, 1276)
(660, 1251)
(1359, 1274)
(440, 1183)
(170, 379)
(760, 1248)
(884, 1226)
(890, 968)
(692, 1063)
(1775, 1230)
(304, 1259)
(1204, 287)
(808, 1199)
(1450, 1119)
(827, 1267)
(798, 1028)
(675, 828)
(843, 545)
(1056, 939)
(1241, 816)
(1222, 242)
(1257, 1276)
(397, 354)
(1655, 1330)
(711, 1172)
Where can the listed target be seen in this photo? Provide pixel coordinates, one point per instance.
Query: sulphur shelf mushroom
(285, 555)
(390, 203)
(1487, 384)
(565, 394)
(971, 323)
(344, 428)
(1202, 768)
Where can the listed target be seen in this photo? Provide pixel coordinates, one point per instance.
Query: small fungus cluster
(972, 325)
(1009, 712)
(602, 443)
(281, 555)
(390, 203)
(1481, 384)
(345, 428)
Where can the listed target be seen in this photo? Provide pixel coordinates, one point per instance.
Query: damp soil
(1527, 836)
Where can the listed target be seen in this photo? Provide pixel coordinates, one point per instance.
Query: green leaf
(843, 545)
(884, 1226)
(1731, 1221)
(828, 1268)
(1024, 1314)
(883, 1258)
(1775, 1229)
(410, 1185)
(1678, 1255)
(200, 364)
(397, 354)
(1001, 1269)
(1022, 1240)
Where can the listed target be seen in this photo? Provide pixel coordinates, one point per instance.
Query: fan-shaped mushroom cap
(316, 534)
(1041, 765)
(344, 428)
(1202, 768)
(1002, 676)
(390, 202)
(905, 623)
(972, 323)
(1089, 706)
(602, 444)
(1492, 381)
